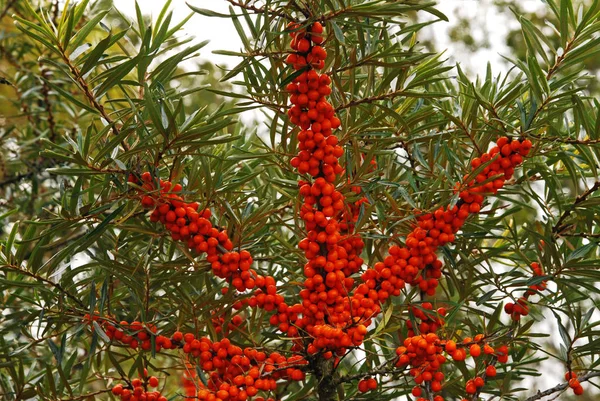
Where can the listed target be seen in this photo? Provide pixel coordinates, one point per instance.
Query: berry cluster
(326, 316)
(424, 354)
(306, 44)
(137, 390)
(520, 308)
(238, 374)
(192, 226)
(135, 334)
(417, 263)
(574, 384)
(334, 313)
(367, 384)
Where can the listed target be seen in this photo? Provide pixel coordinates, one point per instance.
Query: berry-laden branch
(336, 308)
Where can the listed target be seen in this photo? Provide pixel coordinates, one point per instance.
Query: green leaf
(339, 35)
(83, 33)
(115, 75)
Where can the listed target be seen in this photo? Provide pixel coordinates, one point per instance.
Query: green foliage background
(86, 101)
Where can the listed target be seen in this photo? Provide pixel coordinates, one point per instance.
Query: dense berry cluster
(233, 373)
(137, 390)
(424, 354)
(520, 308)
(417, 263)
(336, 311)
(189, 224)
(330, 319)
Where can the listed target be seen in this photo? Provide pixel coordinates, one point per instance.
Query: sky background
(486, 21)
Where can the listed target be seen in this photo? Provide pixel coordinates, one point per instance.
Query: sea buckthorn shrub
(384, 225)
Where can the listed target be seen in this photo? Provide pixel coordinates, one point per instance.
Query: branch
(379, 370)
(15, 178)
(259, 10)
(86, 396)
(372, 99)
(45, 281)
(561, 387)
(583, 235)
(45, 75)
(566, 140)
(560, 59)
(559, 226)
(89, 95)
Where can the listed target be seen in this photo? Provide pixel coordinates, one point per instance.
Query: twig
(583, 235)
(89, 95)
(566, 140)
(379, 370)
(389, 95)
(559, 226)
(46, 281)
(15, 178)
(85, 396)
(45, 75)
(259, 10)
(559, 59)
(561, 387)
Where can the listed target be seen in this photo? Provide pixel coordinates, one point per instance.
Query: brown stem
(86, 396)
(90, 96)
(560, 226)
(325, 374)
(389, 95)
(45, 281)
(379, 370)
(259, 10)
(45, 74)
(566, 140)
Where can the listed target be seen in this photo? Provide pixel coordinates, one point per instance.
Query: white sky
(220, 31)
(223, 36)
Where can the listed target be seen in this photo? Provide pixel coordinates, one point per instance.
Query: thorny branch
(560, 226)
(379, 370)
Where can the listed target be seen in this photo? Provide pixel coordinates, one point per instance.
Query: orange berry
(475, 350)
(117, 390)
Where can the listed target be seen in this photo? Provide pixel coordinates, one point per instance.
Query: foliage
(88, 104)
